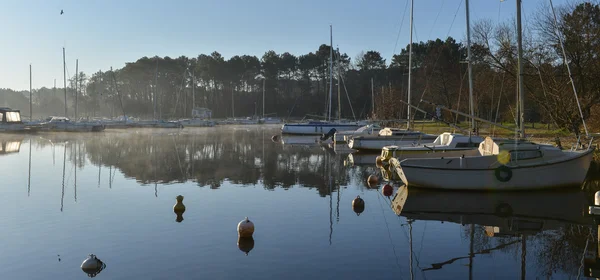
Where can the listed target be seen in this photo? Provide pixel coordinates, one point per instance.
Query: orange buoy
(372, 179)
(245, 228)
(358, 205)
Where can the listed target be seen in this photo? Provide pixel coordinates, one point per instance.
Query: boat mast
(30, 100)
(155, 89)
(76, 85)
(410, 62)
(372, 100)
(263, 107)
(521, 100)
(65, 80)
(193, 91)
(339, 91)
(472, 109)
(330, 70)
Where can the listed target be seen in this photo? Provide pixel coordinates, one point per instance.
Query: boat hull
(376, 143)
(569, 170)
(316, 129)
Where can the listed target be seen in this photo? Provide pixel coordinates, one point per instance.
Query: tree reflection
(207, 157)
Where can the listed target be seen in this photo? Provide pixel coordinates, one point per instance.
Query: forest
(298, 85)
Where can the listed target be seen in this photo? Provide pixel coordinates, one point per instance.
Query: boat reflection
(10, 146)
(503, 221)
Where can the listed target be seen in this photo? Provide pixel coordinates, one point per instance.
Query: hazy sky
(105, 33)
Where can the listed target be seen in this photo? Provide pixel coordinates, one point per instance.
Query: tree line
(296, 86)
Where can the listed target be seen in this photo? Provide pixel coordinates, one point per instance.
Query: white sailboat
(322, 127)
(397, 137)
(501, 164)
(400, 137)
(64, 124)
(345, 136)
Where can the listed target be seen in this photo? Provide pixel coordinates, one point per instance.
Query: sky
(108, 33)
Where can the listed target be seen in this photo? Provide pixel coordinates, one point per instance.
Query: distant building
(202, 113)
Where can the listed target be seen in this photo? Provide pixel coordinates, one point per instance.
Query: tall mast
(372, 100)
(76, 85)
(154, 96)
(330, 70)
(193, 91)
(521, 95)
(472, 109)
(263, 109)
(30, 100)
(339, 91)
(410, 62)
(65, 80)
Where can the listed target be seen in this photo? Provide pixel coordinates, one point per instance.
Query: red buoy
(387, 190)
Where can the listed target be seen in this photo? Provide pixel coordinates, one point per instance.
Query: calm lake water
(65, 196)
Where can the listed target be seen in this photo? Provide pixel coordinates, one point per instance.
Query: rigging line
(347, 96)
(459, 95)
(436, 18)
(389, 234)
(568, 67)
(400, 29)
(439, 55)
(499, 99)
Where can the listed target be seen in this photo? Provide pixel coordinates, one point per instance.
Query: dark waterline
(112, 194)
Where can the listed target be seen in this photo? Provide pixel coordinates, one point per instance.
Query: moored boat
(389, 137)
(319, 127)
(64, 124)
(501, 165)
(10, 122)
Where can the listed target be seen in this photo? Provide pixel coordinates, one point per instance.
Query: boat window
(1, 116)
(522, 155)
(13, 117)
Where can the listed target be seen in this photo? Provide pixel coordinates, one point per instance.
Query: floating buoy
(387, 190)
(372, 179)
(358, 205)
(179, 208)
(245, 244)
(92, 265)
(245, 228)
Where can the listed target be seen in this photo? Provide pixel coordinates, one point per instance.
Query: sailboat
(446, 141)
(394, 136)
(501, 164)
(322, 127)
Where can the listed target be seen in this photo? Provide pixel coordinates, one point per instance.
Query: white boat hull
(317, 129)
(378, 142)
(464, 174)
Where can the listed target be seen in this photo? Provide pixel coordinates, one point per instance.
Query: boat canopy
(8, 115)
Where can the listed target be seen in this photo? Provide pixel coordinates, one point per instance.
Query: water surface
(65, 196)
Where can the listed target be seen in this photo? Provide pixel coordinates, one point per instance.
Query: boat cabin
(517, 149)
(202, 113)
(58, 119)
(457, 140)
(390, 131)
(8, 115)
